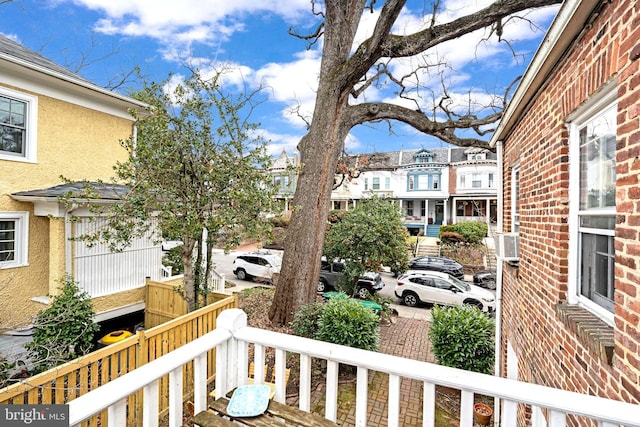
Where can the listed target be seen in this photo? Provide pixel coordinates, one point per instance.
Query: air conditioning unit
(507, 247)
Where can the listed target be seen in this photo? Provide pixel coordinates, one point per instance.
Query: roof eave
(567, 24)
(74, 81)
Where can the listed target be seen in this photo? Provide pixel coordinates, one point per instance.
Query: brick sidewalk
(406, 338)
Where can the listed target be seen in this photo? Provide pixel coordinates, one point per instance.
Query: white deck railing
(233, 336)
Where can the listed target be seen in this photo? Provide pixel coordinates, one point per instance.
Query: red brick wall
(549, 352)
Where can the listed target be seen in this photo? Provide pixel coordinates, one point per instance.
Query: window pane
(605, 222)
(7, 240)
(596, 270)
(423, 182)
(597, 161)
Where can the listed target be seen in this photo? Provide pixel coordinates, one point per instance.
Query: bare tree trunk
(319, 151)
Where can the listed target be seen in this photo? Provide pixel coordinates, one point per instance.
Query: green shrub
(462, 337)
(5, 370)
(472, 232)
(305, 322)
(64, 330)
(345, 321)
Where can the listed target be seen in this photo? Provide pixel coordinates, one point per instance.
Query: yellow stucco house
(54, 123)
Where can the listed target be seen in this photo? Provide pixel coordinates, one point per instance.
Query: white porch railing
(233, 336)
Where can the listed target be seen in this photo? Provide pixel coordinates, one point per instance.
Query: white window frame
(21, 238)
(31, 126)
(515, 198)
(599, 103)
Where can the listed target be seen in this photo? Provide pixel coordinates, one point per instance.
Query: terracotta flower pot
(482, 414)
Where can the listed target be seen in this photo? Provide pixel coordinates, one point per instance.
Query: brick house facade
(569, 149)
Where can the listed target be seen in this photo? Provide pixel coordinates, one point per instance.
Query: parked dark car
(332, 276)
(435, 263)
(485, 279)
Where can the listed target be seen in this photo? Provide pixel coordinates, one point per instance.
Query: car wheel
(322, 286)
(410, 299)
(474, 303)
(363, 293)
(241, 274)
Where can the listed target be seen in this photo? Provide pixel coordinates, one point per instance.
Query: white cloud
(279, 141)
(294, 84)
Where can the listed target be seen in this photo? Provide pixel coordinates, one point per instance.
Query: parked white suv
(259, 265)
(434, 287)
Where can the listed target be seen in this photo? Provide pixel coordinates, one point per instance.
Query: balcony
(231, 341)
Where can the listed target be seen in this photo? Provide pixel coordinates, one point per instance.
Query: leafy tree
(64, 330)
(196, 171)
(347, 70)
(368, 237)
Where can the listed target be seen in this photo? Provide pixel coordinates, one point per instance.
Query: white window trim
(31, 146)
(599, 102)
(22, 239)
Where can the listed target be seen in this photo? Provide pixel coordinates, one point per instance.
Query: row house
(433, 187)
(568, 147)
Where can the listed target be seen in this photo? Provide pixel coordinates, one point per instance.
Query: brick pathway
(406, 338)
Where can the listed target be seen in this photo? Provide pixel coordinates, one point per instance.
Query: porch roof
(103, 191)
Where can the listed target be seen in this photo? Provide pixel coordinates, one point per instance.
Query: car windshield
(460, 284)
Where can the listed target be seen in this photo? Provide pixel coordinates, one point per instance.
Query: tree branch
(402, 46)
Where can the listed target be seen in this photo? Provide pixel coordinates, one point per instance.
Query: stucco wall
(75, 142)
(551, 350)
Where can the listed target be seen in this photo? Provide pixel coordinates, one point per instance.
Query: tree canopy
(196, 171)
(368, 237)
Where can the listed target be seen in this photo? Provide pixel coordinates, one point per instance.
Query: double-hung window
(593, 209)
(14, 238)
(18, 126)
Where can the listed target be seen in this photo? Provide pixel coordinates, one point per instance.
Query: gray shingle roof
(15, 50)
(104, 191)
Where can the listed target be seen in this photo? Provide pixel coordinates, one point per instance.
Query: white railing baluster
(429, 405)
(117, 413)
(331, 399)
(280, 377)
(466, 408)
(362, 398)
(305, 383)
(243, 363)
(221, 370)
(557, 418)
(394, 400)
(200, 383)
(175, 397)
(258, 364)
(151, 409)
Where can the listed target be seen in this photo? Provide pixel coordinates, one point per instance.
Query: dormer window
(424, 156)
(476, 154)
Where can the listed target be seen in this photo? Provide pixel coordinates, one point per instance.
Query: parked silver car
(415, 287)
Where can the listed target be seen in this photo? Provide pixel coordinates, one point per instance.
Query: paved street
(224, 264)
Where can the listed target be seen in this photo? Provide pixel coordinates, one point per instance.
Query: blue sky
(249, 39)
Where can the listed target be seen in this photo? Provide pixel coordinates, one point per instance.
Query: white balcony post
(228, 356)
